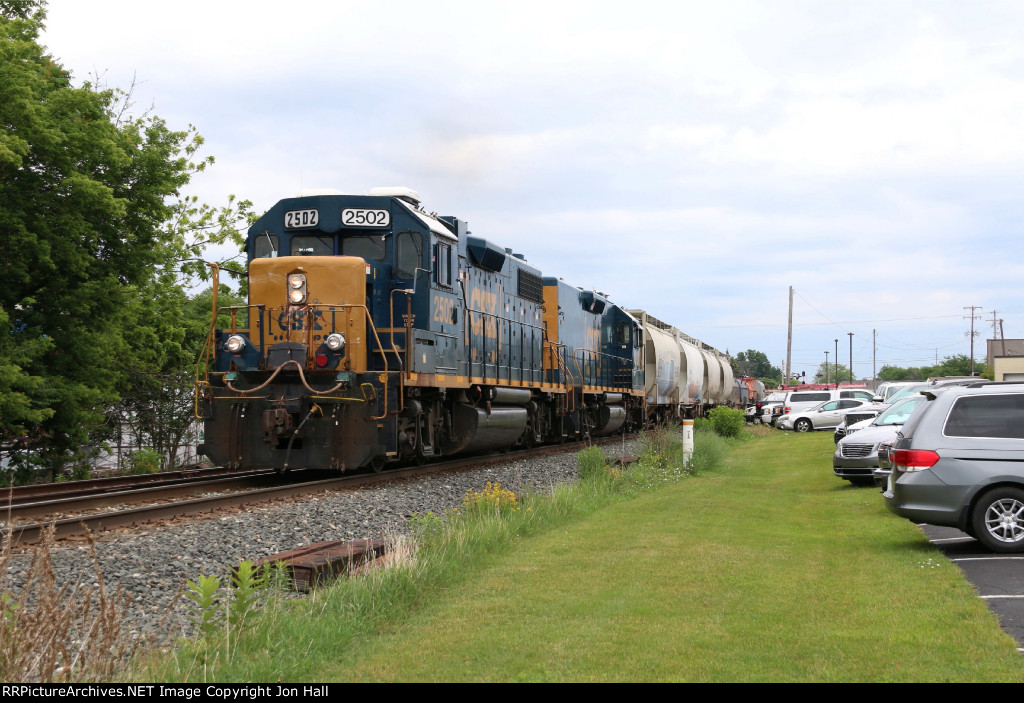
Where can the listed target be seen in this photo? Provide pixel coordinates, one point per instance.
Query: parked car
(881, 474)
(771, 407)
(857, 419)
(798, 401)
(822, 416)
(856, 455)
(959, 462)
(890, 388)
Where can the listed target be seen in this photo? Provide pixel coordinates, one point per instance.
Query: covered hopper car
(378, 332)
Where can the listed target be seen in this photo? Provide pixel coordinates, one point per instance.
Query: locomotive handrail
(309, 311)
(204, 355)
(497, 337)
(555, 349)
(617, 362)
(373, 328)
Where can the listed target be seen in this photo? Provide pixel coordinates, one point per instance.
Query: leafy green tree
(157, 373)
(91, 219)
(755, 364)
(828, 373)
(897, 373)
(956, 365)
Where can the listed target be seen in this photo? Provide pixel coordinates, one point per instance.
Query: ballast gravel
(151, 563)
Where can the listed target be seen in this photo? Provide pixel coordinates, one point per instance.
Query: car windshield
(899, 412)
(908, 391)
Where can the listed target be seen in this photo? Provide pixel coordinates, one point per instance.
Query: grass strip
(765, 569)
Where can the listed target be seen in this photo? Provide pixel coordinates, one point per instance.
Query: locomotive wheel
(377, 463)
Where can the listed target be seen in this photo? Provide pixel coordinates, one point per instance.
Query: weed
(204, 595)
(55, 633)
(591, 462)
(493, 498)
(144, 461)
(727, 422)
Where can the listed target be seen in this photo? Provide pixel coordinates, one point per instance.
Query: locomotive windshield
(266, 245)
(312, 245)
(364, 246)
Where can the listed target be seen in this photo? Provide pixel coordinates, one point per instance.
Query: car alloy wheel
(998, 520)
(802, 425)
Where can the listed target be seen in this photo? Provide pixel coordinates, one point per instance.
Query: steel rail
(23, 494)
(80, 525)
(174, 489)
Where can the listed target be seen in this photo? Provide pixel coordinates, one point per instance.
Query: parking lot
(998, 578)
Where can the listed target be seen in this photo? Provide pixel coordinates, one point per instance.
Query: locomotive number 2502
(358, 217)
(301, 218)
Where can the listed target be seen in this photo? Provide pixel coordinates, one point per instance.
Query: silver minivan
(959, 461)
(798, 401)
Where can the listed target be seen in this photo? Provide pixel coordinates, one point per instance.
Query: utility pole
(972, 317)
(789, 335)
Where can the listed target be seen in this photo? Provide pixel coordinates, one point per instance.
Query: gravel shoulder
(151, 563)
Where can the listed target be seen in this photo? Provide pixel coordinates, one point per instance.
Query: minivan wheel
(998, 520)
(802, 425)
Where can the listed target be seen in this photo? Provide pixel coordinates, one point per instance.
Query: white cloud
(692, 158)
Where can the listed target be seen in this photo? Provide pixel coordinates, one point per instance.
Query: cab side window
(409, 254)
(443, 264)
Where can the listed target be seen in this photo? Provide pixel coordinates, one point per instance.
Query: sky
(692, 159)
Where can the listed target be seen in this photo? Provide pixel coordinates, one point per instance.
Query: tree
(91, 218)
(956, 365)
(755, 364)
(827, 373)
(156, 404)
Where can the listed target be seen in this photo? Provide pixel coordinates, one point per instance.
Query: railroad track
(233, 491)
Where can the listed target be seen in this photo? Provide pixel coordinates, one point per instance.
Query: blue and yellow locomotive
(378, 332)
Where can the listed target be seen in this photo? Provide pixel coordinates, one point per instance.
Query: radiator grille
(531, 286)
(854, 451)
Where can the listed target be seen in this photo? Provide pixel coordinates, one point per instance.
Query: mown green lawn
(768, 569)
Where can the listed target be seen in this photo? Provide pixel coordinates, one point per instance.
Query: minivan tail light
(785, 411)
(907, 460)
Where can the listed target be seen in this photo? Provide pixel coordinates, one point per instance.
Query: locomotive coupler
(277, 422)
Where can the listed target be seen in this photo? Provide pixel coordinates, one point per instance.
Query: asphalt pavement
(998, 578)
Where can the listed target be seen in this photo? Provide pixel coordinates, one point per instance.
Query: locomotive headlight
(335, 342)
(296, 288)
(235, 343)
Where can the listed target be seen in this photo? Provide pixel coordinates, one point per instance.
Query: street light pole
(851, 356)
(837, 363)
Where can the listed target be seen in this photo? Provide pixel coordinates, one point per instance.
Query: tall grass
(52, 632)
(287, 640)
